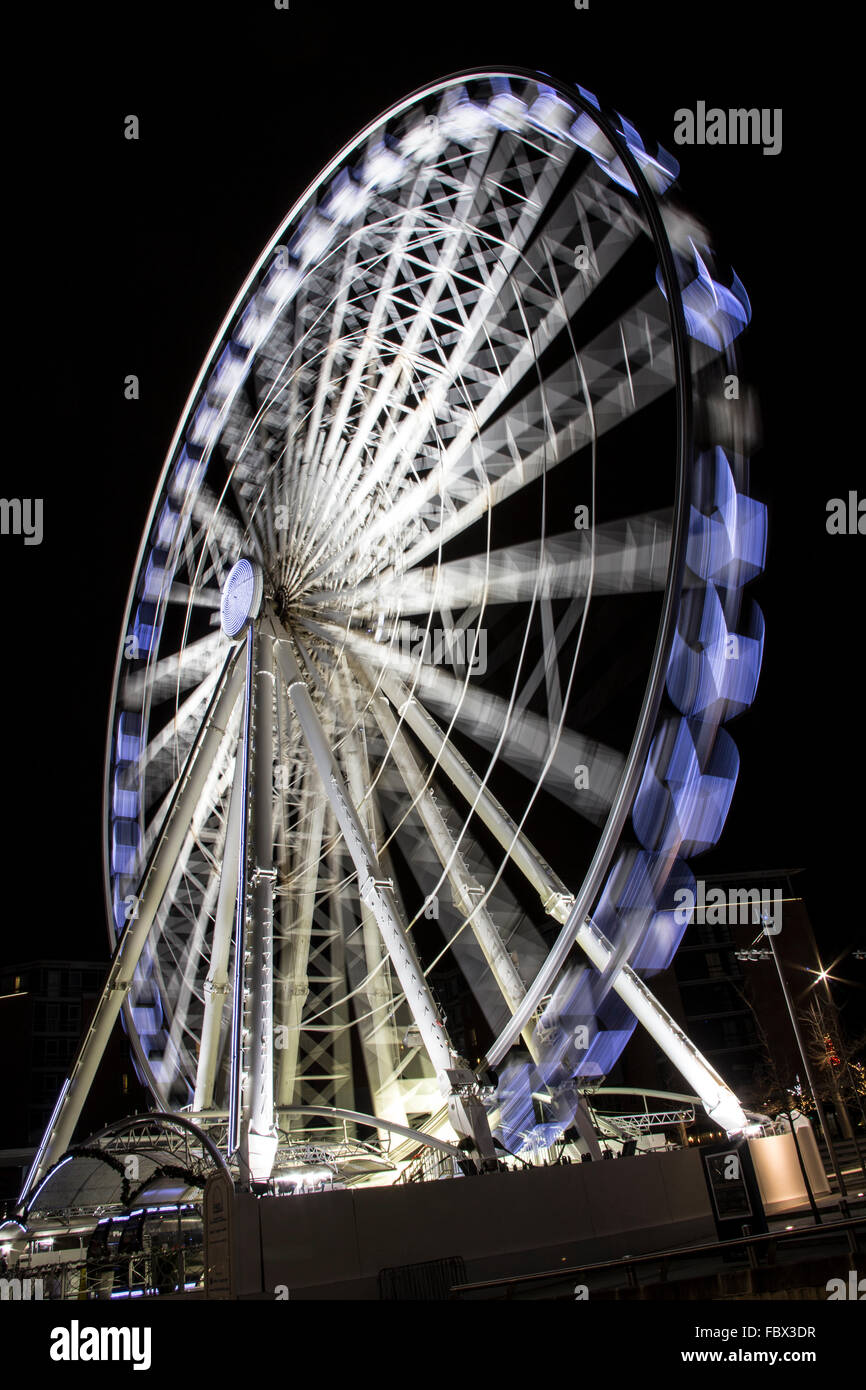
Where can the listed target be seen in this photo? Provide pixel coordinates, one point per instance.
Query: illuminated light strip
(57, 1166)
(730, 312)
(462, 116)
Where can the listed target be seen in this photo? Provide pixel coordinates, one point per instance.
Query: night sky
(126, 255)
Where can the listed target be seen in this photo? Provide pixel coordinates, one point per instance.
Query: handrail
(675, 1252)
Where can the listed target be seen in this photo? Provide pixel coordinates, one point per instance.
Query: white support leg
(216, 985)
(456, 1083)
(555, 897)
(237, 1075)
(61, 1126)
(465, 888)
(296, 950)
(379, 1034)
(258, 1132)
(718, 1100)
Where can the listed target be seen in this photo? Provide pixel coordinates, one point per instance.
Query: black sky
(126, 256)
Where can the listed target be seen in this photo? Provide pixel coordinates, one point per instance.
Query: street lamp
(824, 976)
(753, 955)
(843, 1191)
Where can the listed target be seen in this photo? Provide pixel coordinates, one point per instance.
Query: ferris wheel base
(418, 1240)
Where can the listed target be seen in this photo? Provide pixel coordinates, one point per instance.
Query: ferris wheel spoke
(523, 363)
(510, 461)
(552, 682)
(178, 730)
(520, 359)
(250, 521)
(466, 890)
(316, 665)
(391, 260)
(495, 263)
(561, 633)
(216, 527)
(339, 338)
(406, 439)
(406, 828)
(188, 596)
(156, 813)
(628, 556)
(284, 415)
(183, 1030)
(439, 202)
(489, 898)
(522, 739)
(175, 945)
(217, 985)
(171, 674)
(210, 548)
(555, 896)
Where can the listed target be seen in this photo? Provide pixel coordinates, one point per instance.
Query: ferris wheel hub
(282, 600)
(241, 598)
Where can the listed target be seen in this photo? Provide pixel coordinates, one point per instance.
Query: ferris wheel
(434, 627)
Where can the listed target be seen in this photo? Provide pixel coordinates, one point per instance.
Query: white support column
(340, 1041)
(555, 897)
(258, 1132)
(718, 1100)
(61, 1126)
(379, 1034)
(466, 889)
(456, 1083)
(237, 1076)
(295, 952)
(216, 985)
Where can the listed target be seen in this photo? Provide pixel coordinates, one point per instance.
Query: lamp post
(755, 955)
(843, 1191)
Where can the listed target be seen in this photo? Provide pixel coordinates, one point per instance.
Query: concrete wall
(333, 1245)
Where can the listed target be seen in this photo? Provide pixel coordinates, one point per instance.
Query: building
(44, 1006)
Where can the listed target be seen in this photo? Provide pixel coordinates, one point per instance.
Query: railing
(853, 1229)
(429, 1166)
(139, 1275)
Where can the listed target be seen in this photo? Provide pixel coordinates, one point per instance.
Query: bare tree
(833, 1058)
(768, 1092)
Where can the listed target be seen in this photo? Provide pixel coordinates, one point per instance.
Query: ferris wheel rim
(648, 201)
(655, 683)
